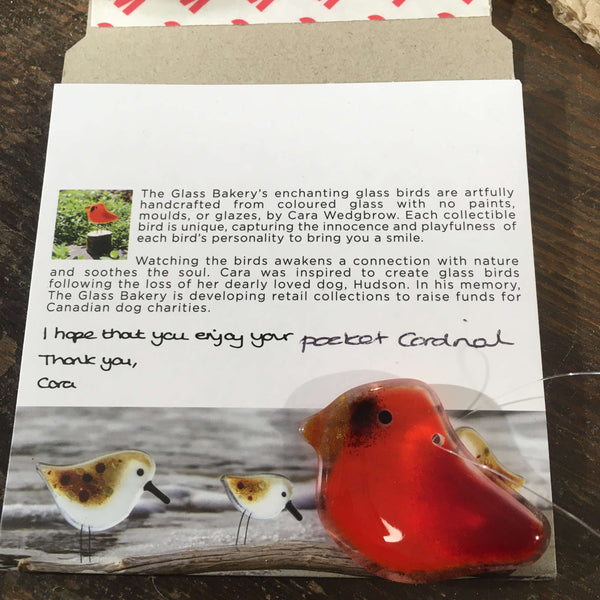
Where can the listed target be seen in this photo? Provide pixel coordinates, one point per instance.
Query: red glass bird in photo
(98, 213)
(404, 497)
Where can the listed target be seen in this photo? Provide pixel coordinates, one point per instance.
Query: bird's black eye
(283, 494)
(385, 417)
(140, 472)
(438, 439)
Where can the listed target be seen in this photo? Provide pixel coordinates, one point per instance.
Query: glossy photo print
(166, 486)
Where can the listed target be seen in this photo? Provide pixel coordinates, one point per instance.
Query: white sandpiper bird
(261, 495)
(100, 493)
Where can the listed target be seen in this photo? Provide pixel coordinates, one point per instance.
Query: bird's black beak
(289, 506)
(150, 487)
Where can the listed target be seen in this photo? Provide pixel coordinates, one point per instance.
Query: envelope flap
(355, 51)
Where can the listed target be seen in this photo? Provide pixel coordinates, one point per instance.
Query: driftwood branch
(288, 556)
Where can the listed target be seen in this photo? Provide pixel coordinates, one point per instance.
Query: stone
(580, 16)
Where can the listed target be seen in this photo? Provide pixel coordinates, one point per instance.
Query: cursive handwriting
(108, 362)
(346, 339)
(411, 340)
(259, 339)
(235, 340)
(408, 339)
(158, 337)
(68, 361)
(52, 384)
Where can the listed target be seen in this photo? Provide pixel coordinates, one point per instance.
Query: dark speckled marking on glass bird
(259, 496)
(100, 493)
(96, 479)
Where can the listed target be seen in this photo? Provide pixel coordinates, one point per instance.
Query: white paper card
(285, 243)
(214, 264)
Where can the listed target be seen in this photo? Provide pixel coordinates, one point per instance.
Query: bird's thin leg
(81, 544)
(89, 544)
(246, 534)
(237, 537)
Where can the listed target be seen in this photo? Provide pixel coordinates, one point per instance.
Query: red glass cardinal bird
(98, 213)
(401, 494)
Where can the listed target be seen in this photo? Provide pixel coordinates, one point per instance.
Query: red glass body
(401, 494)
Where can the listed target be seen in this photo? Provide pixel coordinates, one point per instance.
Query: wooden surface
(561, 81)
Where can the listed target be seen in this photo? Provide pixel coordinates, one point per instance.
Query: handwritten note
(372, 231)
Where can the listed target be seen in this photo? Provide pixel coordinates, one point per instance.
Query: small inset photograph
(92, 224)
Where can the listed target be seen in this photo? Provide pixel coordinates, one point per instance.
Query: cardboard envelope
(332, 52)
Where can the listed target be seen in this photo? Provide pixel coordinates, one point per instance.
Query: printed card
(217, 264)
